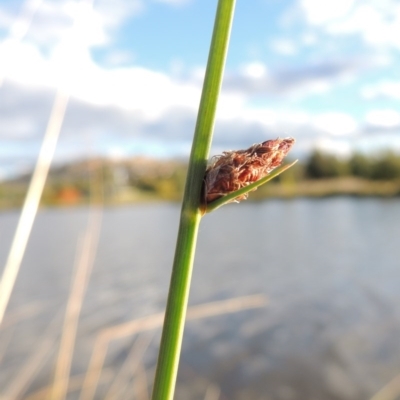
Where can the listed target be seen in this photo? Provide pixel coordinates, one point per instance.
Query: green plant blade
(171, 340)
(231, 196)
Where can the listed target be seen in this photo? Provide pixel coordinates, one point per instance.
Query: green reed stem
(171, 340)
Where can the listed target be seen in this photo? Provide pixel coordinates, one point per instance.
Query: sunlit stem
(171, 340)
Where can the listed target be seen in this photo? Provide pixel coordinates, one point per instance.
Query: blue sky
(326, 73)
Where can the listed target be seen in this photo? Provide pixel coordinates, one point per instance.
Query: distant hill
(103, 180)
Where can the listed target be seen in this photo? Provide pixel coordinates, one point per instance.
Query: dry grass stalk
(26, 375)
(234, 170)
(83, 268)
(390, 391)
(152, 322)
(129, 367)
(213, 392)
(75, 383)
(5, 341)
(31, 203)
(23, 313)
(141, 383)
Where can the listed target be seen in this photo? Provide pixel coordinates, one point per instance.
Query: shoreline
(317, 188)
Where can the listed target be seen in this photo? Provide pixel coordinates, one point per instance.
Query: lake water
(329, 267)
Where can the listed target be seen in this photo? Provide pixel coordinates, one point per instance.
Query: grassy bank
(349, 186)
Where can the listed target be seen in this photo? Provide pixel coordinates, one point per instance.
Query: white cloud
(284, 46)
(173, 2)
(320, 12)
(46, 22)
(377, 22)
(70, 68)
(296, 81)
(274, 117)
(334, 146)
(18, 26)
(383, 118)
(254, 70)
(384, 89)
(118, 57)
(335, 123)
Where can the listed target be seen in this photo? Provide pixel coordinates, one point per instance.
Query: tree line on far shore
(141, 180)
(384, 166)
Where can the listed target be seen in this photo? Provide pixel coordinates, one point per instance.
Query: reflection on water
(330, 269)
